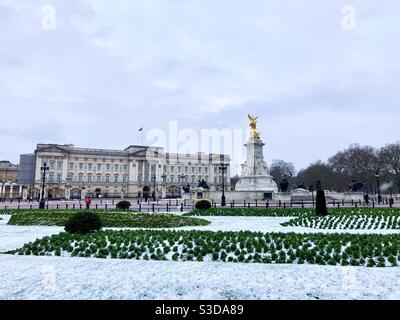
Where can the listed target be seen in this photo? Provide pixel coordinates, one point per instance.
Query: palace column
(11, 190)
(136, 172)
(25, 194)
(64, 169)
(144, 170)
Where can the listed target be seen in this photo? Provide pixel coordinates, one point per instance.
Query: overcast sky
(317, 80)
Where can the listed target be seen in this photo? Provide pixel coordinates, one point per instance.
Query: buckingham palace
(136, 172)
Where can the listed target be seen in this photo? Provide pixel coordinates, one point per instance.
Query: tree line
(357, 169)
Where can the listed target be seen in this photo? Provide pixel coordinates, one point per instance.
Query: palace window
(108, 166)
(90, 166)
(116, 178)
(59, 177)
(98, 178)
(51, 164)
(90, 178)
(71, 166)
(116, 167)
(80, 166)
(107, 179)
(125, 167)
(99, 167)
(59, 165)
(80, 178)
(70, 178)
(124, 179)
(51, 177)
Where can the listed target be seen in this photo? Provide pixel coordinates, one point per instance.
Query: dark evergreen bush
(123, 205)
(83, 223)
(203, 205)
(321, 209)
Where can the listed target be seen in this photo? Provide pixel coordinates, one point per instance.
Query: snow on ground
(13, 237)
(30, 277)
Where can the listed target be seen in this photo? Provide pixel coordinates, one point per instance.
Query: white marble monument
(255, 175)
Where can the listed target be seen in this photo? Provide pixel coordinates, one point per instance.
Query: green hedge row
(116, 219)
(291, 212)
(281, 212)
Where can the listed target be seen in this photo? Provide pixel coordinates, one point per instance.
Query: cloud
(110, 68)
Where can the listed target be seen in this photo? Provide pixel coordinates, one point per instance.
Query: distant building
(27, 168)
(9, 187)
(8, 172)
(137, 171)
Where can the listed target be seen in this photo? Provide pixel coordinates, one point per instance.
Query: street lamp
(43, 169)
(378, 184)
(154, 188)
(391, 202)
(223, 168)
(311, 188)
(366, 197)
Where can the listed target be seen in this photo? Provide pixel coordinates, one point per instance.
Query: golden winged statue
(254, 134)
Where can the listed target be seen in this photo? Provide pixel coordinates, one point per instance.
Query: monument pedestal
(255, 174)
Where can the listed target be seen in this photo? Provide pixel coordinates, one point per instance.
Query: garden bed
(244, 247)
(352, 222)
(110, 219)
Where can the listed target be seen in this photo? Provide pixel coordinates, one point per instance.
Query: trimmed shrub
(321, 209)
(83, 223)
(123, 205)
(203, 205)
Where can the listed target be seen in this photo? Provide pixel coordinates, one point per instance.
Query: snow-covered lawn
(29, 277)
(32, 277)
(12, 237)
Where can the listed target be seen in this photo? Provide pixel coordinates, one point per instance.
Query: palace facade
(137, 171)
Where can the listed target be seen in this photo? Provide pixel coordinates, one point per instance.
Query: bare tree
(234, 181)
(390, 162)
(317, 171)
(355, 164)
(282, 170)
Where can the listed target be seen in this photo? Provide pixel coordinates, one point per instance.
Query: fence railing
(178, 205)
